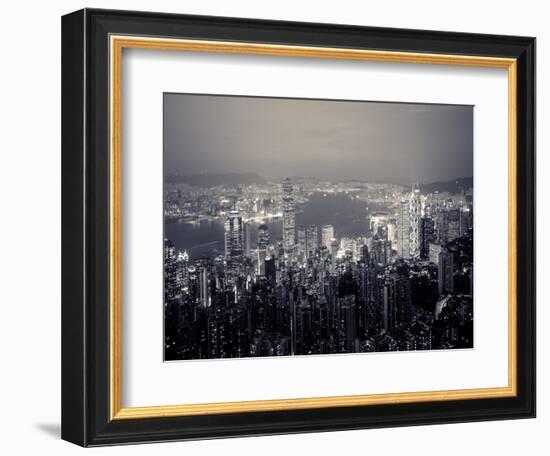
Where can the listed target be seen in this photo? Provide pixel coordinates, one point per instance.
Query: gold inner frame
(117, 44)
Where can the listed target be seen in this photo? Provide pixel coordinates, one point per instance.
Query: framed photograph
(278, 227)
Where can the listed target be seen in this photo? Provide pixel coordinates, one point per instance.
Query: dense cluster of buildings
(405, 284)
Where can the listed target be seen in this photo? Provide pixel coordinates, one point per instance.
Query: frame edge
(88, 399)
(73, 320)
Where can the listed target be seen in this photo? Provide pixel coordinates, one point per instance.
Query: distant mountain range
(454, 186)
(213, 179)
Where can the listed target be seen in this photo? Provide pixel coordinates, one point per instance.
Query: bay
(348, 215)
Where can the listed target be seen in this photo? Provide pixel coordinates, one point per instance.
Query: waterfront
(345, 212)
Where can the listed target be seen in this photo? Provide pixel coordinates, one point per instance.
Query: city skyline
(295, 267)
(398, 142)
(233, 178)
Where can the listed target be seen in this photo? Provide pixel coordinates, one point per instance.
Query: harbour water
(345, 212)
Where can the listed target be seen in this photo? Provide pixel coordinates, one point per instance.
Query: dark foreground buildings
(406, 285)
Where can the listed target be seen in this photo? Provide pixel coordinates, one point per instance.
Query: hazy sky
(277, 137)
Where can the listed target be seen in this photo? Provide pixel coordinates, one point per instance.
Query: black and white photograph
(308, 226)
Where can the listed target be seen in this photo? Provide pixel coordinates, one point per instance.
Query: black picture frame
(85, 225)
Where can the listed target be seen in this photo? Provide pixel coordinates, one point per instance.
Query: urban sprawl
(406, 283)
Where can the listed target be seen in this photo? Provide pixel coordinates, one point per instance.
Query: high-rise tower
(409, 213)
(403, 229)
(204, 287)
(414, 217)
(312, 240)
(263, 243)
(426, 228)
(445, 272)
(234, 242)
(327, 234)
(289, 217)
(301, 246)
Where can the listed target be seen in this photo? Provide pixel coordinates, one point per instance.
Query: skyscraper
(247, 238)
(204, 289)
(333, 252)
(445, 272)
(288, 217)
(263, 243)
(327, 234)
(453, 224)
(403, 229)
(392, 233)
(302, 241)
(381, 251)
(427, 235)
(414, 218)
(388, 304)
(234, 240)
(312, 240)
(182, 263)
(449, 225)
(397, 299)
(171, 289)
(377, 221)
(348, 324)
(466, 219)
(408, 225)
(271, 270)
(434, 250)
(403, 299)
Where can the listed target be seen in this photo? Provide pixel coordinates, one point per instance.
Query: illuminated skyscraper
(182, 263)
(171, 289)
(414, 218)
(453, 220)
(466, 219)
(403, 230)
(289, 217)
(312, 240)
(204, 289)
(234, 240)
(302, 241)
(449, 225)
(408, 226)
(392, 233)
(333, 252)
(247, 238)
(377, 220)
(263, 243)
(263, 236)
(327, 235)
(381, 251)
